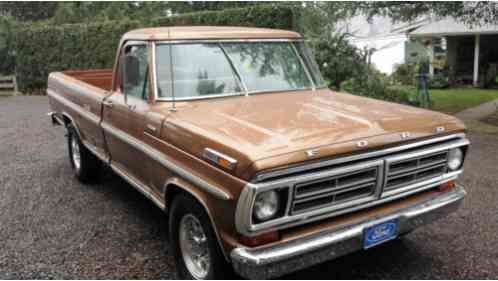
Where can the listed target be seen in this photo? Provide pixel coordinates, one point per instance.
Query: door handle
(151, 129)
(108, 104)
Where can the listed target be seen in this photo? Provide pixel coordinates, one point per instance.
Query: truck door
(124, 112)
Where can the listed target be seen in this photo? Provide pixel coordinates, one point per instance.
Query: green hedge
(42, 49)
(256, 16)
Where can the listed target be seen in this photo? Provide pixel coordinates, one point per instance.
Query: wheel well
(66, 120)
(173, 190)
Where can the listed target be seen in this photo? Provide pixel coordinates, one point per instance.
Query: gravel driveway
(51, 226)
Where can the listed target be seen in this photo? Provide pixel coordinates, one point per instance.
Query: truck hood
(285, 124)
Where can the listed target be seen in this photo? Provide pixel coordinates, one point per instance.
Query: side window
(135, 72)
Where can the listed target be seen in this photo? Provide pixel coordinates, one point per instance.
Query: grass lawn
(458, 99)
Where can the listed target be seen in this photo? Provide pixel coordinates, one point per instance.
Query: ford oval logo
(382, 231)
(377, 234)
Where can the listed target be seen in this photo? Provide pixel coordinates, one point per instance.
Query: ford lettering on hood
(267, 125)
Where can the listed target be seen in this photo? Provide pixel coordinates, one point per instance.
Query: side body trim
(105, 158)
(160, 158)
(147, 192)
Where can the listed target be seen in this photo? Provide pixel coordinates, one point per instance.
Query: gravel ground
(51, 226)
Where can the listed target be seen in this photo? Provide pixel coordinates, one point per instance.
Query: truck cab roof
(208, 32)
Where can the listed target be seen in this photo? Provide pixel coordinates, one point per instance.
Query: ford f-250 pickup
(259, 167)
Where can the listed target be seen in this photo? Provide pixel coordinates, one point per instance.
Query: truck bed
(78, 95)
(100, 78)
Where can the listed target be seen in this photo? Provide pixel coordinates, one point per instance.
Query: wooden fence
(8, 85)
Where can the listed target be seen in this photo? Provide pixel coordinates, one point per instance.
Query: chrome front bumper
(276, 260)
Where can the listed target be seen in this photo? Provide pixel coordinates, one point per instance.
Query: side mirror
(131, 71)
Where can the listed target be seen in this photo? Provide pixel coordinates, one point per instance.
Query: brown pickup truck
(259, 167)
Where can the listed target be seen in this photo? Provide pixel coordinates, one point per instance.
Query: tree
(337, 58)
(199, 6)
(28, 11)
(74, 12)
(474, 13)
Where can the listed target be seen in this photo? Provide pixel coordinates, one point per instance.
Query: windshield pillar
(305, 66)
(235, 70)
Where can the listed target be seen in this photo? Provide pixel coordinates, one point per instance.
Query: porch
(466, 54)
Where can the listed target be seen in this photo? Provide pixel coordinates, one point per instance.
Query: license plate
(380, 233)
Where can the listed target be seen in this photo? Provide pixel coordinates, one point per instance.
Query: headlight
(455, 159)
(266, 205)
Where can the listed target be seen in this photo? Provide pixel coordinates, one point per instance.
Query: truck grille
(407, 171)
(335, 190)
(357, 186)
(330, 187)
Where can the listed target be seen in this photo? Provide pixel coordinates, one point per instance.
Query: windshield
(196, 70)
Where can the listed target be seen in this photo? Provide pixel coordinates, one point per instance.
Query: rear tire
(85, 164)
(195, 247)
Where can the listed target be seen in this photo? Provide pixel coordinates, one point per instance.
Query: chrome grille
(307, 202)
(335, 190)
(360, 185)
(406, 171)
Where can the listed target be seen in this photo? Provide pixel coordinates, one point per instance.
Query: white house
(468, 53)
(386, 40)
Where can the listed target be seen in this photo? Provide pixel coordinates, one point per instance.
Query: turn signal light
(225, 163)
(260, 239)
(219, 159)
(447, 186)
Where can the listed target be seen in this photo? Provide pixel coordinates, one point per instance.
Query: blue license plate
(380, 233)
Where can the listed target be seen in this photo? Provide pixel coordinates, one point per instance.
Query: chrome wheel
(76, 156)
(194, 247)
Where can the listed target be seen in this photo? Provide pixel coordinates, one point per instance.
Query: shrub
(43, 48)
(404, 74)
(401, 94)
(377, 88)
(348, 86)
(438, 82)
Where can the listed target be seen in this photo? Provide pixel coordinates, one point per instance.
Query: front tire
(85, 164)
(195, 247)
